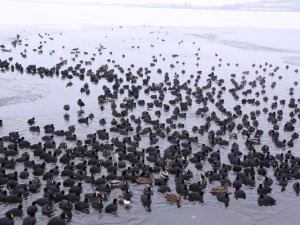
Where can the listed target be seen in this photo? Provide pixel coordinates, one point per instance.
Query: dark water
(24, 96)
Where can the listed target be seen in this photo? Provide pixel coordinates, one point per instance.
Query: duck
(14, 198)
(124, 201)
(145, 180)
(104, 188)
(268, 181)
(127, 193)
(296, 187)
(30, 219)
(83, 120)
(97, 204)
(181, 188)
(117, 183)
(101, 194)
(196, 187)
(238, 193)
(266, 200)
(223, 197)
(65, 205)
(69, 84)
(196, 196)
(15, 212)
(34, 128)
(47, 210)
(32, 209)
(219, 189)
(24, 174)
(31, 121)
(82, 206)
(253, 141)
(262, 189)
(173, 198)
(73, 197)
(146, 200)
(7, 220)
(66, 107)
(148, 191)
(112, 207)
(58, 220)
(77, 189)
(80, 103)
(162, 188)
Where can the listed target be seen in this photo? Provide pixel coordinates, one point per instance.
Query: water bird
(124, 201)
(112, 207)
(66, 107)
(7, 220)
(219, 189)
(58, 220)
(80, 103)
(173, 198)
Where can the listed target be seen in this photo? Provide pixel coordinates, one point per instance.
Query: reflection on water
(25, 96)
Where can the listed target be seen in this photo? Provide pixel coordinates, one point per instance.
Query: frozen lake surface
(269, 41)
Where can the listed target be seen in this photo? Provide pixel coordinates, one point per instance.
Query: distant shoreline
(276, 7)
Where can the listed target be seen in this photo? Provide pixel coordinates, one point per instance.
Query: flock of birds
(134, 156)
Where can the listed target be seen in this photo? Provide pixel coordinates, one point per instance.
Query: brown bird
(101, 194)
(123, 201)
(171, 197)
(219, 189)
(145, 180)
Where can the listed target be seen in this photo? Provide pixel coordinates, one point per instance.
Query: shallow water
(25, 96)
